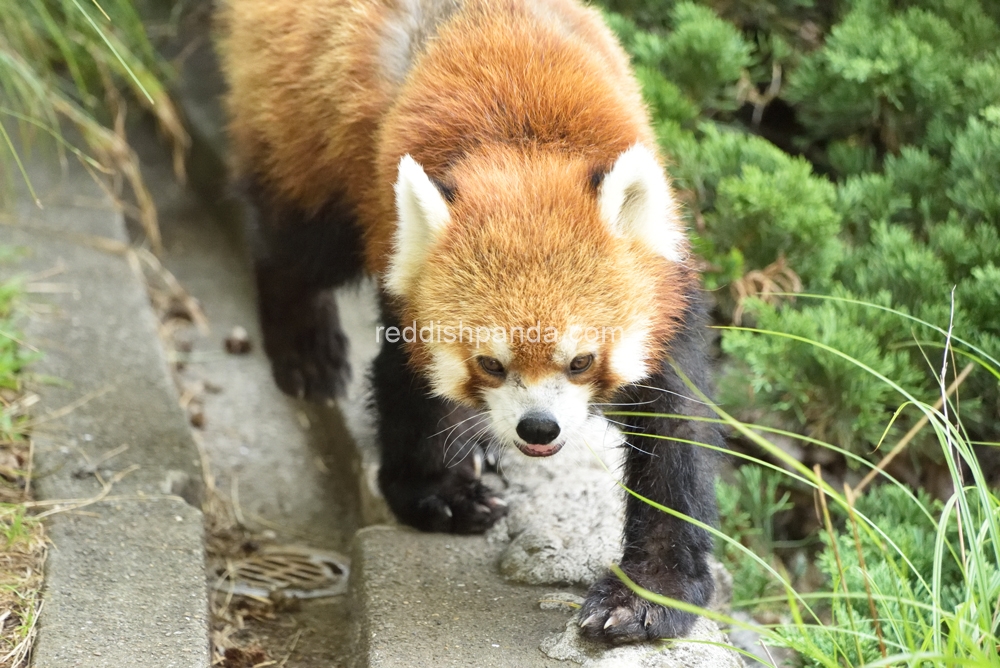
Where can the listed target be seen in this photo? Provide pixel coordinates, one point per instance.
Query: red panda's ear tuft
(636, 202)
(421, 216)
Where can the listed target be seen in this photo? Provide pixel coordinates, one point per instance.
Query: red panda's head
(538, 284)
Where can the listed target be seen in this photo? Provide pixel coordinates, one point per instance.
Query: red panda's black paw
(305, 343)
(312, 380)
(464, 507)
(614, 613)
(318, 374)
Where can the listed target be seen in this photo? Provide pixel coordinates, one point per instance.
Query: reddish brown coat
(514, 103)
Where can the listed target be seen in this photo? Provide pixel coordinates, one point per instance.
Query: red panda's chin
(540, 450)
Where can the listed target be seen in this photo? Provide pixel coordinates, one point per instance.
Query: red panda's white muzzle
(540, 418)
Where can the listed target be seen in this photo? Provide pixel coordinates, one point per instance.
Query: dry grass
(83, 65)
(22, 539)
(22, 556)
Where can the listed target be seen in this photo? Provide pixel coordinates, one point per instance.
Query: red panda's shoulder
(326, 96)
(527, 77)
(304, 92)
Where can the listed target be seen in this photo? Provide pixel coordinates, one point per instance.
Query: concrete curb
(437, 600)
(125, 577)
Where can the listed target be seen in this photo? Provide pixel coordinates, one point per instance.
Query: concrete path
(125, 576)
(435, 600)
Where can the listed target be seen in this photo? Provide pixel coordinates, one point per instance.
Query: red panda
(492, 165)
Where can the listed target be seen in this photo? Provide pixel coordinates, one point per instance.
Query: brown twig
(70, 407)
(769, 284)
(872, 608)
(836, 555)
(909, 436)
(30, 468)
(291, 649)
(76, 504)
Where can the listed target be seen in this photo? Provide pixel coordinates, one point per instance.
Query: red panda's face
(535, 293)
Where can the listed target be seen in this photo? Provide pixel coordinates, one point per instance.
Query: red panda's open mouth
(533, 450)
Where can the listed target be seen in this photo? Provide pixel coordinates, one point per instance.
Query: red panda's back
(327, 95)
(303, 99)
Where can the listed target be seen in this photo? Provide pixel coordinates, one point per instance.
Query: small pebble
(197, 417)
(238, 341)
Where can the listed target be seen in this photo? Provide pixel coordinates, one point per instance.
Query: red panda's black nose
(538, 429)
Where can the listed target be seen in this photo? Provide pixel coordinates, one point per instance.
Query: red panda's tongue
(539, 450)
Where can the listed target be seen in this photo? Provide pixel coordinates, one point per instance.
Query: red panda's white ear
(635, 201)
(421, 215)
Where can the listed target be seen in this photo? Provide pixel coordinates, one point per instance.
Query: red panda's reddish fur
(309, 104)
(312, 112)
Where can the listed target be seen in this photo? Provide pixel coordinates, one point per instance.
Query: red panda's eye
(581, 363)
(491, 365)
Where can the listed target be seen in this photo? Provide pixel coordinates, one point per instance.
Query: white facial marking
(422, 215)
(567, 346)
(567, 402)
(628, 355)
(501, 351)
(448, 373)
(635, 200)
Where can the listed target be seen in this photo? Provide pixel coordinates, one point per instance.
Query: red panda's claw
(614, 613)
(464, 509)
(474, 509)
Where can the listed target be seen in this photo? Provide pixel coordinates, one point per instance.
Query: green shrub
(791, 381)
(881, 192)
(747, 508)
(887, 71)
(783, 213)
(897, 108)
(904, 595)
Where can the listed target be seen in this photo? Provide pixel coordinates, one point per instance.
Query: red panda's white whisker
(466, 448)
(454, 437)
(676, 394)
(456, 425)
(616, 423)
(625, 403)
(459, 438)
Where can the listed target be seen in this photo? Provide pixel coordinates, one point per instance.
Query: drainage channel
(283, 470)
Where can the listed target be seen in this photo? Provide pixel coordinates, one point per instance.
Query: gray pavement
(436, 600)
(125, 576)
(288, 466)
(287, 463)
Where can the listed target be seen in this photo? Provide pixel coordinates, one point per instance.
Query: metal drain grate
(296, 572)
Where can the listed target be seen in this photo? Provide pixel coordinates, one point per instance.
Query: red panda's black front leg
(298, 259)
(431, 451)
(662, 553)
